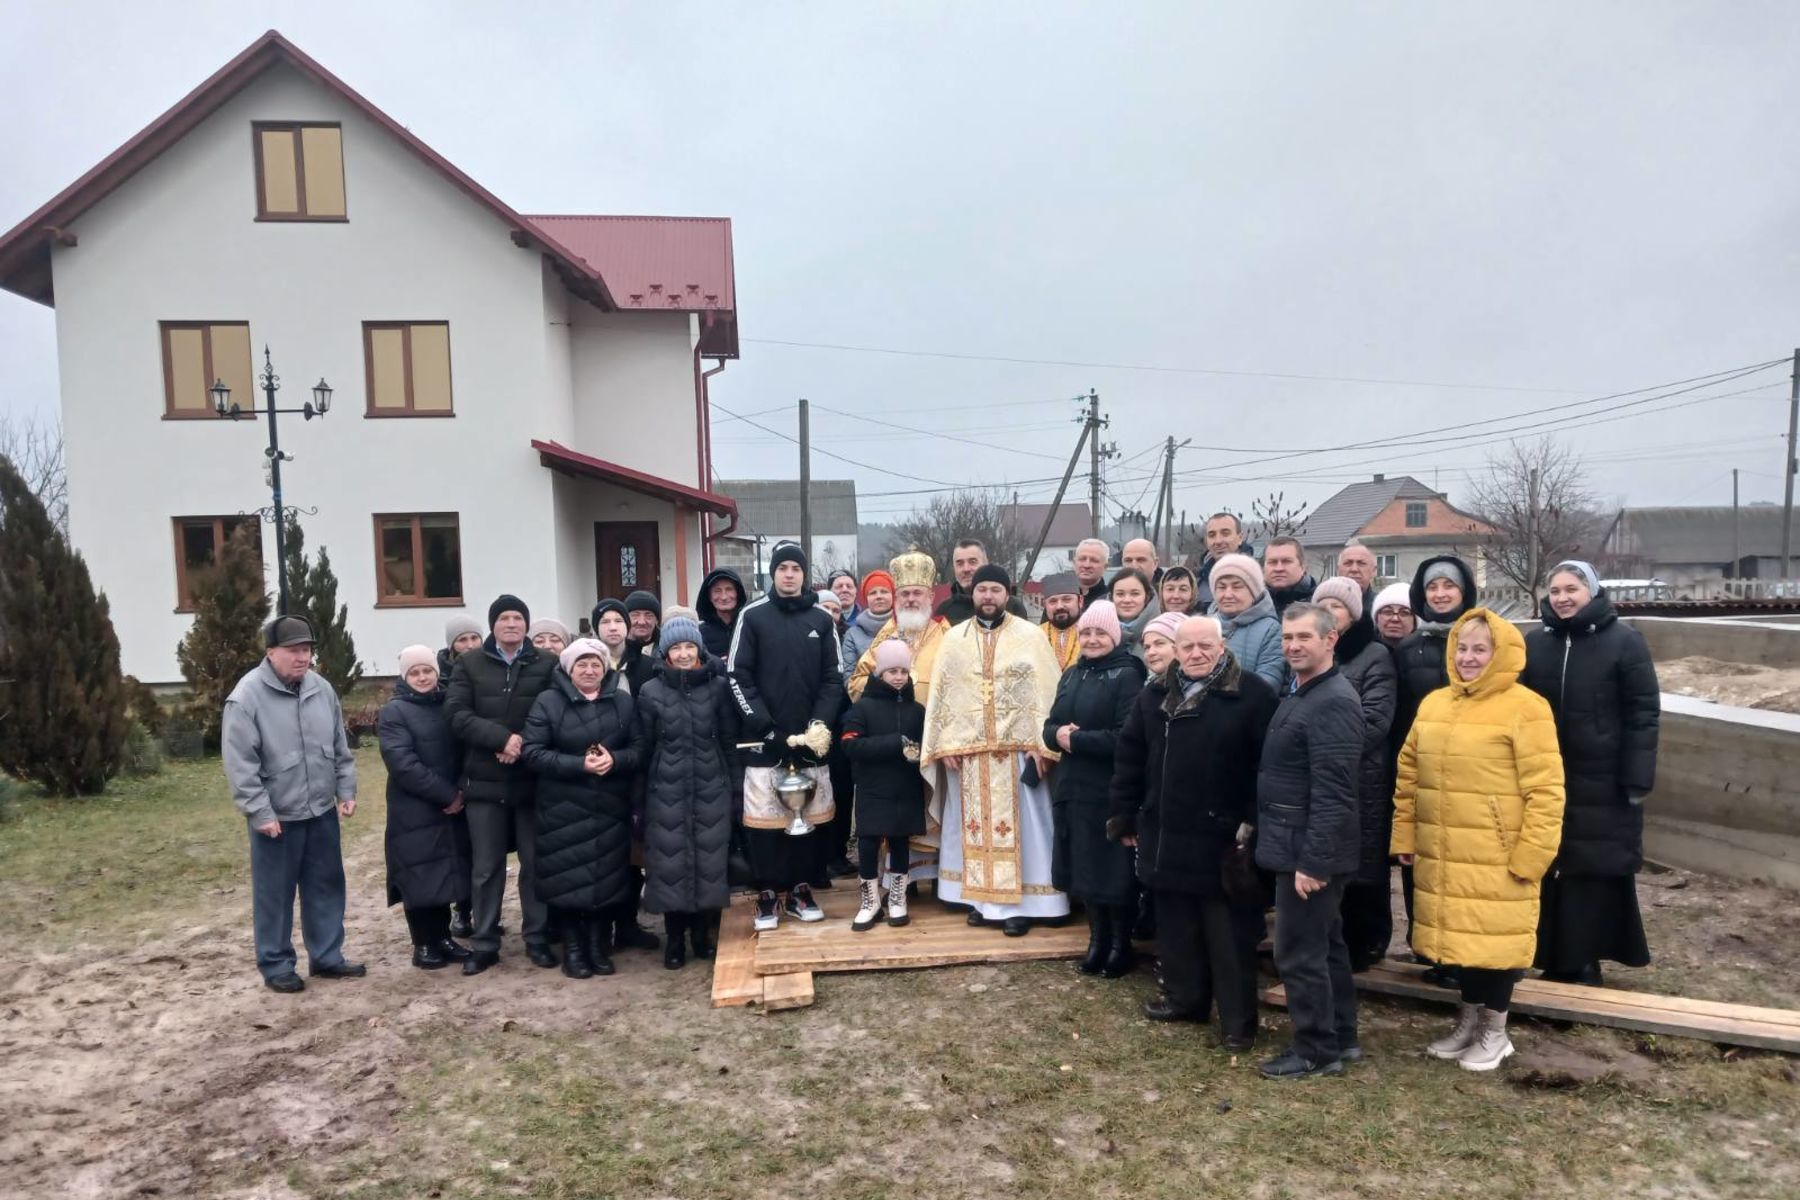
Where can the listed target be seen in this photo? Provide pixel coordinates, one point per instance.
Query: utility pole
(1787, 509)
(1089, 429)
(1165, 534)
(806, 485)
(1093, 428)
(1737, 549)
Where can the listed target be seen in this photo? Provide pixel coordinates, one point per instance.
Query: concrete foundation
(1766, 642)
(1727, 798)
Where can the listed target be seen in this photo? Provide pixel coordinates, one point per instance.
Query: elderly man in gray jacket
(291, 775)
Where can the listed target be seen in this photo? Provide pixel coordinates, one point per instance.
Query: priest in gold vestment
(991, 690)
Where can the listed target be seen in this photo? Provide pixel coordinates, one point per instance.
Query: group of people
(1194, 745)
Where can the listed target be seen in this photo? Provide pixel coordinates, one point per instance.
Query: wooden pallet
(735, 981)
(1707, 1020)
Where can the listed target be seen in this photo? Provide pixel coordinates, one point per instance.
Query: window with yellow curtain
(299, 171)
(197, 354)
(407, 368)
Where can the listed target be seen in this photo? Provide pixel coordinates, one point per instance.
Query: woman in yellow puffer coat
(1478, 809)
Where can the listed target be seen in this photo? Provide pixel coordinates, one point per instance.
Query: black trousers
(779, 860)
(428, 926)
(832, 839)
(1314, 964)
(1406, 898)
(1207, 951)
(1489, 988)
(868, 856)
(1368, 921)
(492, 828)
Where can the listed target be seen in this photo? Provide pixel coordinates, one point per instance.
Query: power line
(829, 454)
(948, 437)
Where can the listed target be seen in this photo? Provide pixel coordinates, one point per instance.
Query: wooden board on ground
(1675, 1016)
(793, 990)
(735, 981)
(936, 937)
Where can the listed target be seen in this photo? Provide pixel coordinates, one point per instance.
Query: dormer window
(299, 171)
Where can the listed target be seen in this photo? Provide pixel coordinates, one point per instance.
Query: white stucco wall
(582, 502)
(634, 390)
(179, 242)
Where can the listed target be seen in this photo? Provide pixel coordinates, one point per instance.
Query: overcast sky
(1487, 210)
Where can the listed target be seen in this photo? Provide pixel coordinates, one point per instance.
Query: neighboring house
(1400, 520)
(769, 514)
(520, 402)
(1073, 523)
(1688, 547)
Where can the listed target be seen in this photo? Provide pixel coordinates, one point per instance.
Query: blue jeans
(306, 858)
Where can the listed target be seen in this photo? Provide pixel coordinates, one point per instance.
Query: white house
(520, 402)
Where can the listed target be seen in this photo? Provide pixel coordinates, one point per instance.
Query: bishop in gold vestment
(991, 689)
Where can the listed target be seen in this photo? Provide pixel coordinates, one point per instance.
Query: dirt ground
(145, 1059)
(1746, 685)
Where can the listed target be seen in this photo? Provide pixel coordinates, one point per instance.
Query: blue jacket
(1254, 639)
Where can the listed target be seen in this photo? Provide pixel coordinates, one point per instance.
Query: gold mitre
(913, 569)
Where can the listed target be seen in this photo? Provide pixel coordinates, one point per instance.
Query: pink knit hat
(1166, 625)
(1103, 616)
(417, 656)
(1242, 566)
(1345, 591)
(892, 653)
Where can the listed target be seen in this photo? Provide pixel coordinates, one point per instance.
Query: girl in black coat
(1184, 793)
(1093, 699)
(580, 743)
(427, 838)
(1599, 679)
(687, 733)
(882, 732)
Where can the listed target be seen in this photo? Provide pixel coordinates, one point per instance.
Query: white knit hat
(1394, 595)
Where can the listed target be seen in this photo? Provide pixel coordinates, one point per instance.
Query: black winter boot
(1099, 939)
(576, 964)
(674, 940)
(599, 945)
(1120, 957)
(703, 931)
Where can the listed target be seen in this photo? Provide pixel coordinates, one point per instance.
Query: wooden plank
(735, 981)
(794, 990)
(1731, 1024)
(935, 937)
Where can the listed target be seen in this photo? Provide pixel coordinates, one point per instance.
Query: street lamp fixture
(318, 406)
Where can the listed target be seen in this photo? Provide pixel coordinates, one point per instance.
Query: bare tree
(1271, 518)
(35, 449)
(1536, 499)
(956, 516)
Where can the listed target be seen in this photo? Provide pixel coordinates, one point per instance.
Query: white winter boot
(1468, 1022)
(869, 910)
(896, 898)
(1491, 1046)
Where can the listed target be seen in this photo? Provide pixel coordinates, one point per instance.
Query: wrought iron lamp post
(318, 406)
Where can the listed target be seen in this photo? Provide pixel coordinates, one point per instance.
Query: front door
(625, 558)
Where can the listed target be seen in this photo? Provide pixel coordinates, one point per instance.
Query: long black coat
(1369, 667)
(1306, 801)
(686, 731)
(428, 861)
(784, 670)
(890, 792)
(487, 702)
(583, 820)
(1096, 694)
(1601, 683)
(1419, 660)
(1184, 776)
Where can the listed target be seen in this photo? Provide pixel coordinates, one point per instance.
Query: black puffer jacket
(714, 632)
(1095, 694)
(784, 672)
(686, 734)
(1420, 665)
(1369, 667)
(1601, 683)
(487, 702)
(1184, 775)
(959, 606)
(640, 664)
(1281, 597)
(583, 820)
(890, 792)
(427, 849)
(1306, 801)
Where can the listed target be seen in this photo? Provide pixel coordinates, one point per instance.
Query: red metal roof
(660, 258)
(560, 458)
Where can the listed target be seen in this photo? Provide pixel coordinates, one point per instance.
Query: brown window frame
(170, 412)
(409, 410)
(183, 599)
(257, 129)
(382, 600)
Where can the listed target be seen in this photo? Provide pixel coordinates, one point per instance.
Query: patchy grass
(134, 860)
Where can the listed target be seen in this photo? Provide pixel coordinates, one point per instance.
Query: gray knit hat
(1583, 571)
(458, 625)
(677, 631)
